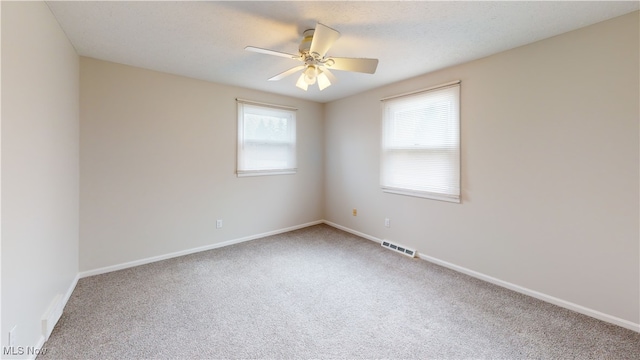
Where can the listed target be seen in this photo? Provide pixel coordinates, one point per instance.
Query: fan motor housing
(307, 37)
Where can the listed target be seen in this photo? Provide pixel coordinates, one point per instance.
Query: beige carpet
(318, 293)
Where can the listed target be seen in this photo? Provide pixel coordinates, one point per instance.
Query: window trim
(240, 138)
(419, 193)
(415, 92)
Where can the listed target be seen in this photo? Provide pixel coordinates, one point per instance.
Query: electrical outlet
(12, 336)
(218, 224)
(354, 212)
(387, 222)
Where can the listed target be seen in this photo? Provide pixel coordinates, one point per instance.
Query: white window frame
(244, 163)
(447, 185)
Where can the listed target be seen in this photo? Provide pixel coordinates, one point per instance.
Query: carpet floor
(318, 293)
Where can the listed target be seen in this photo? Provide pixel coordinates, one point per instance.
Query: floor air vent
(399, 248)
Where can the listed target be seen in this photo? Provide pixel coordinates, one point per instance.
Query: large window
(266, 139)
(421, 144)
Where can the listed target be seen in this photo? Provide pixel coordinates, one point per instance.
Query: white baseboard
(72, 287)
(63, 303)
(152, 259)
(354, 232)
(517, 288)
(38, 346)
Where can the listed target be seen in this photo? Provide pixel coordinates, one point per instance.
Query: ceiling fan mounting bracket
(307, 38)
(316, 60)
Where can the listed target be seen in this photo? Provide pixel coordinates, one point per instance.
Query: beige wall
(549, 169)
(40, 167)
(158, 156)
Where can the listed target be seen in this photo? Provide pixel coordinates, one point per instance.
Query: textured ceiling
(206, 40)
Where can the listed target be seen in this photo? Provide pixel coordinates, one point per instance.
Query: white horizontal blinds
(421, 144)
(266, 139)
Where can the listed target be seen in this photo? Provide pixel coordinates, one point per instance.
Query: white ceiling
(206, 40)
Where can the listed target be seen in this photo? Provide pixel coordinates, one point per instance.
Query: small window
(266, 139)
(421, 144)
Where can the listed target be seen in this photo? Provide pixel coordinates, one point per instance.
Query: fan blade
(271, 52)
(331, 77)
(282, 75)
(323, 38)
(353, 64)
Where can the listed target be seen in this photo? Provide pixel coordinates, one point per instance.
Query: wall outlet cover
(12, 336)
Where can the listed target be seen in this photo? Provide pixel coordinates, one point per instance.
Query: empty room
(320, 180)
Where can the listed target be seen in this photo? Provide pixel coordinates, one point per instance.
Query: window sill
(423, 194)
(265, 173)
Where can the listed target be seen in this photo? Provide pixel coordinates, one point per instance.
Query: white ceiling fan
(313, 53)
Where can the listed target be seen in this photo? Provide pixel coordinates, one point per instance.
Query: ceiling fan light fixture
(302, 84)
(323, 81)
(310, 74)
